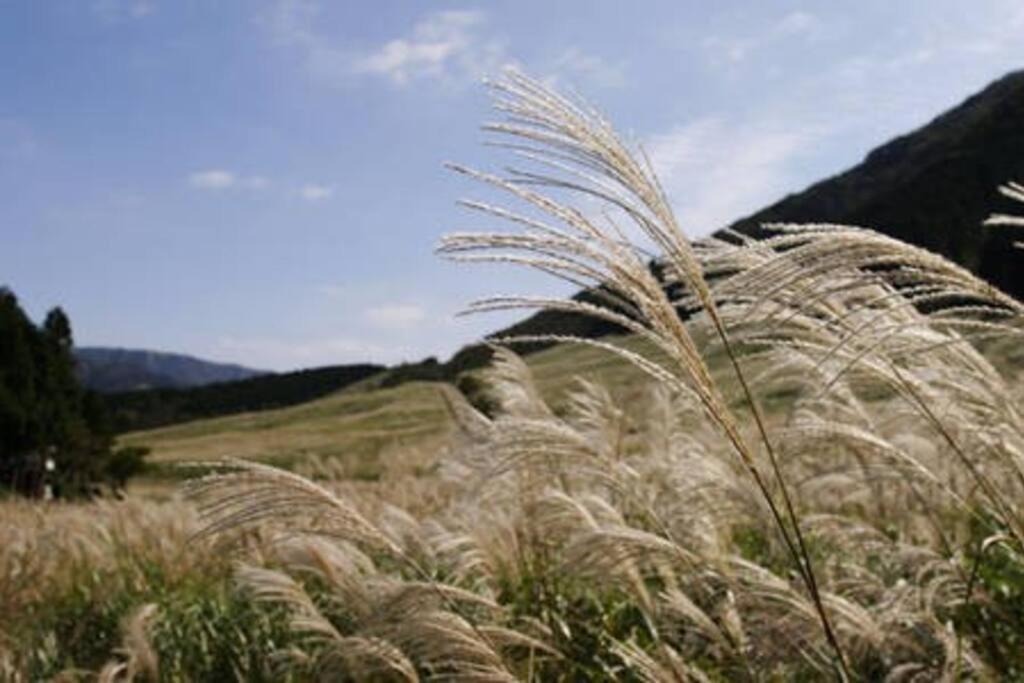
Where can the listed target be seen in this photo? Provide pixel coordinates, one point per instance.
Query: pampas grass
(831, 539)
(838, 535)
(819, 475)
(1014, 191)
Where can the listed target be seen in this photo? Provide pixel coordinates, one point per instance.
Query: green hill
(364, 430)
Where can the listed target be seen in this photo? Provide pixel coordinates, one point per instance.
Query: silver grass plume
(1014, 191)
(581, 154)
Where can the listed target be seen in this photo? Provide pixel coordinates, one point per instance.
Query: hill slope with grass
(361, 431)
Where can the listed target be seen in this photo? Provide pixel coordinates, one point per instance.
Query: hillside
(358, 429)
(109, 370)
(933, 187)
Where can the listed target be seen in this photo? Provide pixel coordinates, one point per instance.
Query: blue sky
(261, 181)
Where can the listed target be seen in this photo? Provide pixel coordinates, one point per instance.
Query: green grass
(344, 422)
(206, 629)
(362, 424)
(372, 428)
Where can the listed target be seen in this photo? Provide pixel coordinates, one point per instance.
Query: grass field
(363, 430)
(819, 476)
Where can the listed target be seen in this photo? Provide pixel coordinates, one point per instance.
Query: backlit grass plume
(578, 152)
(809, 465)
(1014, 191)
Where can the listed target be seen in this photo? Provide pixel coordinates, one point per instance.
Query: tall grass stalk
(575, 140)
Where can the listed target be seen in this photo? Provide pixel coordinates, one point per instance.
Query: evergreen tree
(44, 413)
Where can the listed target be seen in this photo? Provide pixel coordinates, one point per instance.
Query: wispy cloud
(716, 170)
(315, 193)
(731, 162)
(575, 63)
(219, 179)
(291, 354)
(121, 10)
(222, 180)
(395, 316)
(212, 179)
(439, 43)
(447, 45)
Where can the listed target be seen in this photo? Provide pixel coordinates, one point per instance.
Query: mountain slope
(109, 370)
(933, 187)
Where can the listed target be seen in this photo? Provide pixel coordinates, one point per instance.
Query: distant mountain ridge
(110, 370)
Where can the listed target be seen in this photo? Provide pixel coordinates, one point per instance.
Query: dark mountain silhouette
(933, 187)
(146, 409)
(109, 370)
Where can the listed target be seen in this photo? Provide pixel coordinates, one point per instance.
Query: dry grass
(843, 541)
(818, 472)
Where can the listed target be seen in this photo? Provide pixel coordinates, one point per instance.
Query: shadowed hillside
(933, 187)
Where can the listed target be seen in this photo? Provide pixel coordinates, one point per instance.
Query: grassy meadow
(815, 473)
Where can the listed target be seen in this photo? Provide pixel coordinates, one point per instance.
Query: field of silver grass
(839, 493)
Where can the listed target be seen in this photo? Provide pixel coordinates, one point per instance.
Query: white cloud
(315, 193)
(716, 171)
(435, 43)
(291, 354)
(212, 179)
(395, 316)
(574, 62)
(121, 10)
(444, 45)
(222, 179)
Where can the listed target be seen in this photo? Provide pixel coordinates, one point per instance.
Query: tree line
(56, 438)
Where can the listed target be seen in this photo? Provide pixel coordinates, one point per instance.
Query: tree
(45, 415)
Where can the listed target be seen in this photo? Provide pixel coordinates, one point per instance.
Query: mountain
(932, 188)
(150, 408)
(109, 370)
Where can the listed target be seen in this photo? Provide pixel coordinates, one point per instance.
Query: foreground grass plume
(1014, 191)
(819, 473)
